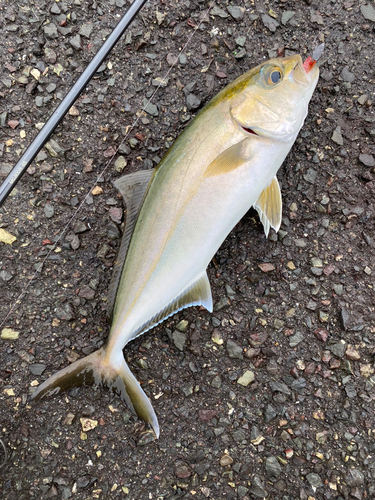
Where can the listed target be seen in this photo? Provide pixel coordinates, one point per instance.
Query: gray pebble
(86, 30)
(49, 210)
(257, 488)
(338, 349)
(270, 413)
(286, 16)
(75, 42)
(50, 31)
(368, 12)
(192, 102)
(337, 136)
(354, 478)
(216, 382)
(273, 467)
(216, 11)
(241, 491)
(234, 350)
(279, 387)
(296, 339)
(314, 480)
(65, 312)
(367, 160)
(350, 391)
(179, 339)
(345, 317)
(236, 12)
(6, 275)
(150, 108)
(269, 22)
(346, 75)
(310, 175)
(37, 368)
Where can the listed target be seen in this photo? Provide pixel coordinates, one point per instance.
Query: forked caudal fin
(96, 369)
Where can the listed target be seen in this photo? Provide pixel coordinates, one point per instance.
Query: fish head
(273, 98)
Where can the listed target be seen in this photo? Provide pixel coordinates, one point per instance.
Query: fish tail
(100, 369)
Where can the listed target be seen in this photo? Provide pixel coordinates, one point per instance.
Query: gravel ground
(272, 395)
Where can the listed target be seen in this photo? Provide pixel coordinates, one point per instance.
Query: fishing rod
(59, 113)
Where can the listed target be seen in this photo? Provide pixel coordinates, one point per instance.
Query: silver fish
(178, 214)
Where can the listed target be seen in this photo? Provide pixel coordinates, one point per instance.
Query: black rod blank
(59, 113)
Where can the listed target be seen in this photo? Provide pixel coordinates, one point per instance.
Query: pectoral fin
(269, 206)
(228, 160)
(133, 188)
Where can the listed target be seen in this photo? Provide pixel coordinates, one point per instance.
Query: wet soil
(296, 309)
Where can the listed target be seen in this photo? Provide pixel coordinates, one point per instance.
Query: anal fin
(133, 188)
(196, 294)
(269, 206)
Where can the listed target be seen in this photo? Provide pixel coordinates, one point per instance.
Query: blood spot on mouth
(249, 131)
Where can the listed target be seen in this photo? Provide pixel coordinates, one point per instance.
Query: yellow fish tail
(99, 369)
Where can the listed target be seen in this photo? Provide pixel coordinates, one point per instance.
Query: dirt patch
(304, 427)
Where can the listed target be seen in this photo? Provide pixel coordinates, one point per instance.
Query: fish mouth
(249, 130)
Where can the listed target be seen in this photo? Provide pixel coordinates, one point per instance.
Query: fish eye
(275, 77)
(271, 75)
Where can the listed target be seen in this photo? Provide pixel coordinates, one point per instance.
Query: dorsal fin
(269, 206)
(133, 188)
(197, 294)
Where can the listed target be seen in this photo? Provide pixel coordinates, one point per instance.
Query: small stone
(226, 460)
(338, 349)
(266, 267)
(6, 275)
(75, 42)
(37, 368)
(97, 190)
(216, 382)
(6, 237)
(88, 424)
(273, 467)
(236, 12)
(217, 337)
(345, 317)
(146, 438)
(207, 415)
(368, 12)
(354, 478)
(350, 391)
(321, 334)
(246, 378)
(65, 312)
(269, 22)
(183, 471)
(310, 176)
(216, 11)
(9, 334)
(257, 488)
(296, 339)
(150, 108)
(86, 30)
(270, 413)
(120, 164)
(314, 480)
(241, 491)
(179, 339)
(367, 160)
(69, 419)
(50, 31)
(286, 16)
(49, 210)
(234, 350)
(346, 75)
(192, 102)
(86, 293)
(352, 354)
(182, 325)
(337, 136)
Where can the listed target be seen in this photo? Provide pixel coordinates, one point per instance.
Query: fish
(178, 215)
